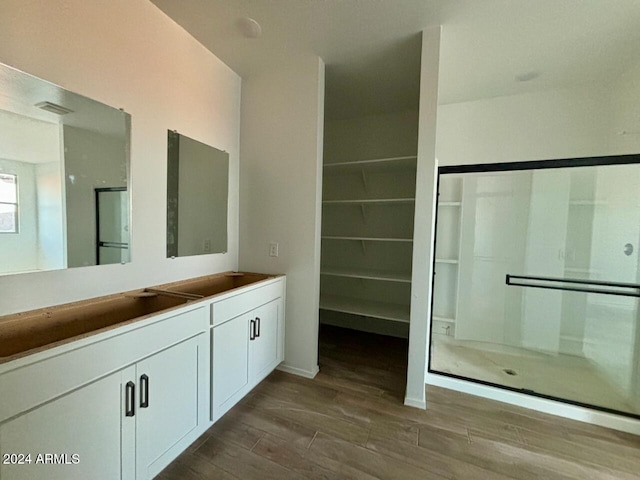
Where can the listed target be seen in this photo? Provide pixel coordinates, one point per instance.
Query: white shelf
(588, 203)
(367, 239)
(586, 271)
(368, 308)
(444, 319)
(371, 161)
(379, 189)
(451, 261)
(368, 274)
(377, 164)
(448, 250)
(375, 201)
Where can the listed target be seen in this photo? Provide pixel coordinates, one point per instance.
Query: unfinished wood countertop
(29, 332)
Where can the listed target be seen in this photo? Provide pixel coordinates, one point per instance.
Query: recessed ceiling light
(527, 76)
(249, 27)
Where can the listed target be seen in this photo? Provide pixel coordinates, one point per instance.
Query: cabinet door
(167, 405)
(76, 436)
(230, 364)
(263, 354)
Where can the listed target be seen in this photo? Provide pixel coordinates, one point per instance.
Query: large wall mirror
(60, 153)
(197, 197)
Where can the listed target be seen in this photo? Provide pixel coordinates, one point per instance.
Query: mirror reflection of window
(56, 148)
(8, 203)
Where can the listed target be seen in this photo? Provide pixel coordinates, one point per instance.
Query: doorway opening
(368, 207)
(112, 225)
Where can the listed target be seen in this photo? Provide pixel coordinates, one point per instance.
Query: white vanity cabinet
(247, 343)
(168, 404)
(116, 405)
(86, 422)
(263, 348)
(122, 403)
(230, 364)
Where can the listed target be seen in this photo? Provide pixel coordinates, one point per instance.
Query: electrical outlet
(273, 249)
(207, 245)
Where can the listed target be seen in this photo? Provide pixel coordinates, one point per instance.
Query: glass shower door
(546, 280)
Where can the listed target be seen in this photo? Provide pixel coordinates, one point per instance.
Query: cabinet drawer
(245, 301)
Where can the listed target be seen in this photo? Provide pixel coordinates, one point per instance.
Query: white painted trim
(415, 402)
(552, 407)
(423, 232)
(299, 371)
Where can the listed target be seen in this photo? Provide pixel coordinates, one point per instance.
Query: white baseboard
(552, 407)
(415, 402)
(299, 371)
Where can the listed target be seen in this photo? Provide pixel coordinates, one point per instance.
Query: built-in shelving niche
(367, 244)
(447, 269)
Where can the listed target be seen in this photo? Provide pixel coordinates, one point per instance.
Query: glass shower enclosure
(536, 280)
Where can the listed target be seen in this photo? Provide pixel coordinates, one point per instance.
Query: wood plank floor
(350, 423)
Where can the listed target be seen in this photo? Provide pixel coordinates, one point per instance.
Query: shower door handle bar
(578, 285)
(113, 245)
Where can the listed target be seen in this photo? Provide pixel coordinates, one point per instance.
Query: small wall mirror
(197, 197)
(58, 151)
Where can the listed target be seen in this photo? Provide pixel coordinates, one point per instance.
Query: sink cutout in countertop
(28, 331)
(215, 284)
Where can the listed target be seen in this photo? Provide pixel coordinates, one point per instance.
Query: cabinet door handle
(252, 329)
(258, 326)
(144, 391)
(130, 399)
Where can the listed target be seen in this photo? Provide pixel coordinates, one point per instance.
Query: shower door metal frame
(517, 166)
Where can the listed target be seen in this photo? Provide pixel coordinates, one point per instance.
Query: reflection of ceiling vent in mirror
(53, 108)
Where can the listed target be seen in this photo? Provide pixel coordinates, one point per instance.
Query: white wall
(625, 117)
(91, 160)
(562, 123)
(423, 231)
(19, 251)
(51, 204)
(128, 54)
(281, 170)
(373, 136)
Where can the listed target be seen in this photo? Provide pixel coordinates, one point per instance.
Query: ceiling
(372, 47)
(19, 95)
(28, 140)
(486, 44)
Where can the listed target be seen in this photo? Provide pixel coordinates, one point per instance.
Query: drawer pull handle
(130, 399)
(144, 391)
(252, 330)
(258, 326)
